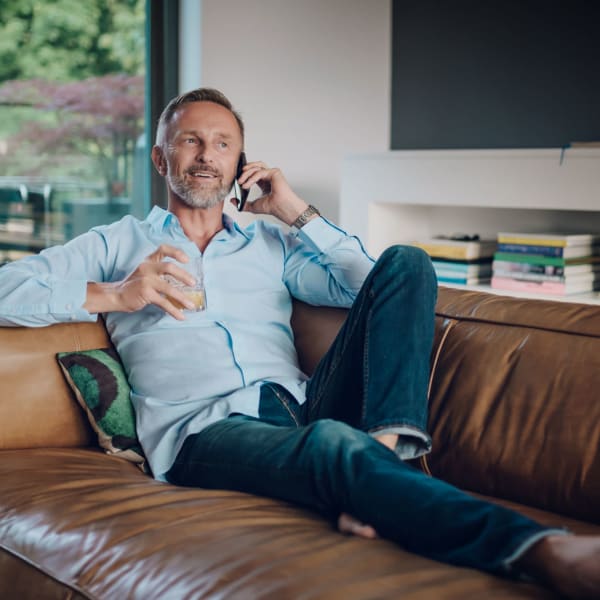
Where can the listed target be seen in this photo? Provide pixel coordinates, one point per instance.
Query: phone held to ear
(240, 192)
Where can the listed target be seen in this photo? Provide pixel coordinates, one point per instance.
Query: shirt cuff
(321, 234)
(68, 298)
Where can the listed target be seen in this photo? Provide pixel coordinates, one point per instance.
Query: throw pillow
(100, 385)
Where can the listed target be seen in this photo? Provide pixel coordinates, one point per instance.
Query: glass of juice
(194, 292)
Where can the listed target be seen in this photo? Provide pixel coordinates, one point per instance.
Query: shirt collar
(160, 219)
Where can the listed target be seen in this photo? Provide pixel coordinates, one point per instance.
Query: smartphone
(241, 194)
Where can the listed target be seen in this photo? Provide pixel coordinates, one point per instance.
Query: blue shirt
(188, 374)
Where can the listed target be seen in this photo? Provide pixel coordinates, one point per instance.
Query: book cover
(549, 239)
(559, 251)
(457, 249)
(543, 287)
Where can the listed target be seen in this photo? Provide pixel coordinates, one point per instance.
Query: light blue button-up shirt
(188, 374)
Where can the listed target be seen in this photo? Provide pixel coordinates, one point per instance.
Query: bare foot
(568, 563)
(348, 524)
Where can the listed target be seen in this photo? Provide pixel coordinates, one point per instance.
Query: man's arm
(145, 285)
(50, 287)
(70, 283)
(324, 265)
(278, 199)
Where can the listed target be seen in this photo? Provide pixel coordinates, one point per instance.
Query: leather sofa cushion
(102, 529)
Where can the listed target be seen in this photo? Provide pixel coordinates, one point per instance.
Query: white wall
(311, 79)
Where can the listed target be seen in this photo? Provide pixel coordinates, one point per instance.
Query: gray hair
(197, 95)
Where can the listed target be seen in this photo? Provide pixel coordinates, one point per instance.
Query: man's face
(203, 146)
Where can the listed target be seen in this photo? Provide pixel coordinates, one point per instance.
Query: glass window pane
(71, 118)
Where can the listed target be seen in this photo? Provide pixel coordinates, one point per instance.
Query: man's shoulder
(264, 228)
(127, 222)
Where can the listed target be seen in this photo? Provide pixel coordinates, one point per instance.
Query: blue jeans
(323, 455)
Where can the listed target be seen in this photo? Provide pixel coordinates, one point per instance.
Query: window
(72, 96)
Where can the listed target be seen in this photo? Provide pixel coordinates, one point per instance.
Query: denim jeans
(323, 455)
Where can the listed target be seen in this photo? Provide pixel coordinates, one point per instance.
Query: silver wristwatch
(305, 216)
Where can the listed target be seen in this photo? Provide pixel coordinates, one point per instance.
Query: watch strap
(305, 216)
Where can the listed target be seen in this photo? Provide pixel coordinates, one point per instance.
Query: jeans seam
(286, 405)
(364, 399)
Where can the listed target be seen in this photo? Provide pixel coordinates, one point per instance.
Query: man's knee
(337, 440)
(407, 263)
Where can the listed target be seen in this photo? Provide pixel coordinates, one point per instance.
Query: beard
(196, 197)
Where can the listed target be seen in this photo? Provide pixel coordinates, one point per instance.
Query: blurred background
(82, 85)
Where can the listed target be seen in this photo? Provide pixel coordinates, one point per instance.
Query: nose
(204, 154)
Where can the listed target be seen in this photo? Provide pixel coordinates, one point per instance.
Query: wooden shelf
(587, 298)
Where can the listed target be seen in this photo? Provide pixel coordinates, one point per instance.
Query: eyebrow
(219, 134)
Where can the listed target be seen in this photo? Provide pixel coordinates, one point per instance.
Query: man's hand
(146, 285)
(278, 198)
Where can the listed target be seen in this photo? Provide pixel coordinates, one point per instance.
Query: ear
(159, 160)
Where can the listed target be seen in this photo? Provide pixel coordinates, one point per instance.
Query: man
(219, 397)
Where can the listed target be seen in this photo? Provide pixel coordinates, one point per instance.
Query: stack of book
(465, 260)
(556, 264)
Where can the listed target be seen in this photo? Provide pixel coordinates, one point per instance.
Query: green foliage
(64, 40)
(50, 123)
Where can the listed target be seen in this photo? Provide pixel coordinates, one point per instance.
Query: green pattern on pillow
(100, 385)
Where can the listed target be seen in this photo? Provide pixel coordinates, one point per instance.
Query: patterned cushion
(100, 385)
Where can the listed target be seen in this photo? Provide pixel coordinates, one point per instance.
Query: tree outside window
(71, 94)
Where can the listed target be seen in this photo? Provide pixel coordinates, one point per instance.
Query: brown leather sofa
(515, 416)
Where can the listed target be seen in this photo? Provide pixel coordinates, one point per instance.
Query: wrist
(101, 297)
(308, 214)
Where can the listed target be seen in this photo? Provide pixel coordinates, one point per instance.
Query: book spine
(538, 241)
(577, 277)
(458, 267)
(463, 280)
(456, 252)
(531, 249)
(529, 276)
(522, 267)
(529, 258)
(461, 270)
(545, 287)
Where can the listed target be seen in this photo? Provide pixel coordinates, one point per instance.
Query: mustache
(210, 170)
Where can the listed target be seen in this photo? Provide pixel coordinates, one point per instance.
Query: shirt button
(69, 306)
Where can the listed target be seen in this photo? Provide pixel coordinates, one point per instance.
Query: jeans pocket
(278, 407)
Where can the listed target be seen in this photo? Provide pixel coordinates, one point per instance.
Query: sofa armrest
(37, 408)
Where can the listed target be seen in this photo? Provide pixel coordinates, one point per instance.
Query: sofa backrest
(514, 394)
(515, 400)
(37, 408)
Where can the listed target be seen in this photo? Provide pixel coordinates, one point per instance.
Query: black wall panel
(495, 73)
